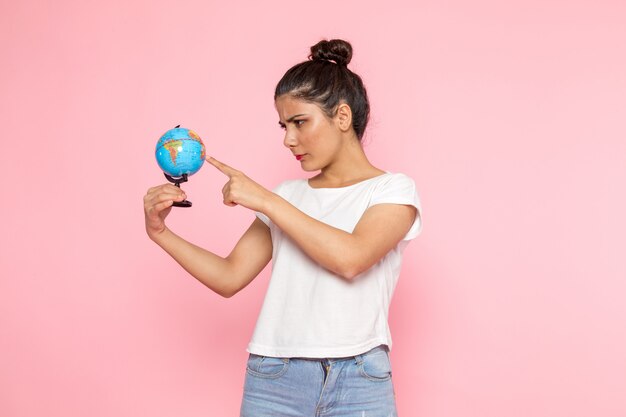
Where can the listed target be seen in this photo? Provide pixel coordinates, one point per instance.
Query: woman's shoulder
(395, 186)
(394, 178)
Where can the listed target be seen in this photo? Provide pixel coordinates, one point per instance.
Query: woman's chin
(308, 166)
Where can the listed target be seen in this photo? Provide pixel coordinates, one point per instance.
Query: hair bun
(336, 50)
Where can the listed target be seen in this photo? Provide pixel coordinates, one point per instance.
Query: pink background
(510, 116)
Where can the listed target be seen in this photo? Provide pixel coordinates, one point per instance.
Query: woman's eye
(282, 126)
(298, 123)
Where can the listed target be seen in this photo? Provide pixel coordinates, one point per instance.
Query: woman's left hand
(240, 189)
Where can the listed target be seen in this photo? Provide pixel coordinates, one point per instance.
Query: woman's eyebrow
(293, 117)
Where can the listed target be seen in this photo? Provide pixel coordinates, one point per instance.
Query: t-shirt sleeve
(262, 216)
(400, 189)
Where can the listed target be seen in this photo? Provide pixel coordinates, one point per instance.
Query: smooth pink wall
(509, 115)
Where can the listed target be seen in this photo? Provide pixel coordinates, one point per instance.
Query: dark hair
(326, 81)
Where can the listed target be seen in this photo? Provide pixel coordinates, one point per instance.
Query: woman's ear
(343, 117)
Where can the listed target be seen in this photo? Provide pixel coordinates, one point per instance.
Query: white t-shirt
(310, 312)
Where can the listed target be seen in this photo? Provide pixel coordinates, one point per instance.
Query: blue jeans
(291, 387)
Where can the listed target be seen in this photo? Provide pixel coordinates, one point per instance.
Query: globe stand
(177, 181)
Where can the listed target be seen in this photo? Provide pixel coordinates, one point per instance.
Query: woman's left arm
(347, 254)
(378, 231)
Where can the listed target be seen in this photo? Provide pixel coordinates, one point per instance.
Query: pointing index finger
(225, 169)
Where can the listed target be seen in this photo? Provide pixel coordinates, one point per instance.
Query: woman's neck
(350, 167)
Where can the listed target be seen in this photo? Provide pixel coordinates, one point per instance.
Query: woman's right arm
(226, 276)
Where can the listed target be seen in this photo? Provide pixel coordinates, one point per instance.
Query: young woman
(320, 346)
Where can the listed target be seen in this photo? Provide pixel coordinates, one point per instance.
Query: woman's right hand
(157, 204)
(226, 276)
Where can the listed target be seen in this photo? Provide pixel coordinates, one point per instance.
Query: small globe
(180, 151)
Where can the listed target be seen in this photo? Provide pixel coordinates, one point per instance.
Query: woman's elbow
(350, 268)
(349, 275)
(350, 271)
(226, 291)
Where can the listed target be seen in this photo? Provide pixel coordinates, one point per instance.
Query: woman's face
(311, 136)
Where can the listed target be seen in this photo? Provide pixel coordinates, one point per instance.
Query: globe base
(177, 181)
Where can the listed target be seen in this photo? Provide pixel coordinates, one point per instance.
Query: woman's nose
(289, 141)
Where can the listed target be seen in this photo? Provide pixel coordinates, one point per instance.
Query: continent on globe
(173, 146)
(195, 136)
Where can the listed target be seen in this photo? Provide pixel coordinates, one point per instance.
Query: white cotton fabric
(310, 312)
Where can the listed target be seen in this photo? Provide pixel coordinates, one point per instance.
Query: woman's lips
(299, 157)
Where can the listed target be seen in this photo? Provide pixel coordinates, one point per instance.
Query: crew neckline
(346, 186)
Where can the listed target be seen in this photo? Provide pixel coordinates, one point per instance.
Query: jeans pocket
(375, 365)
(266, 366)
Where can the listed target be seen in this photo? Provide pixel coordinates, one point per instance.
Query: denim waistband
(357, 358)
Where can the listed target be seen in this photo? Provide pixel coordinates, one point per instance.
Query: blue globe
(180, 151)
